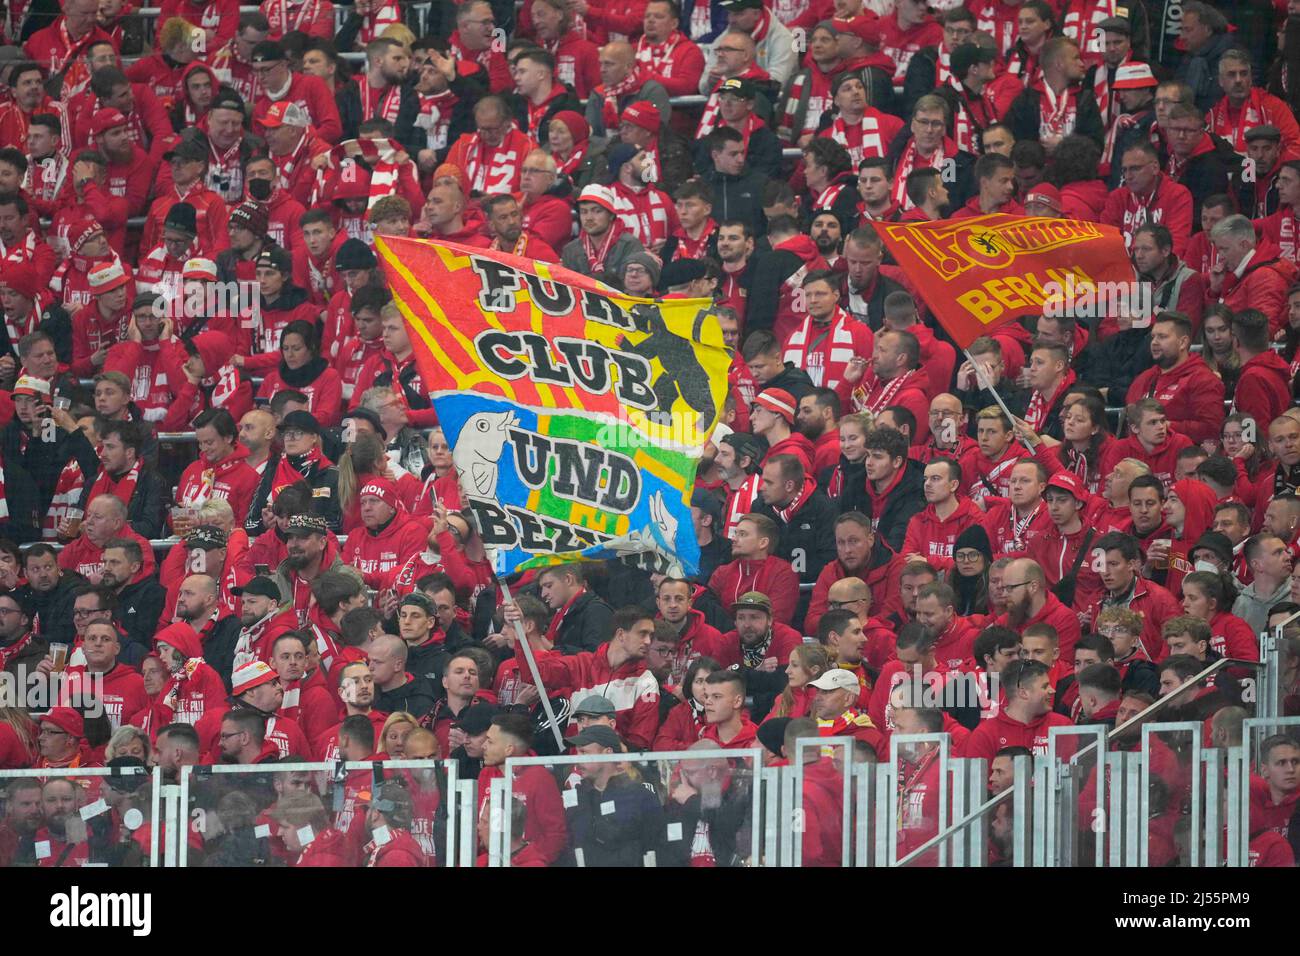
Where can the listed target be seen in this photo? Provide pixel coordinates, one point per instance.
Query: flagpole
(521, 637)
(988, 386)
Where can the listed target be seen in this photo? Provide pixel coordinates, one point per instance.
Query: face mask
(259, 189)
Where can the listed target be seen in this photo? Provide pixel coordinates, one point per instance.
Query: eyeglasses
(1016, 585)
(236, 733)
(83, 612)
(836, 605)
(535, 169)
(730, 49)
(52, 732)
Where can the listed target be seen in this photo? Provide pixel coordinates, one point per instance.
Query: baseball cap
(1068, 482)
(67, 720)
(106, 119)
(738, 86)
(275, 257)
(268, 51)
(600, 735)
(476, 718)
(262, 586)
(967, 55)
(206, 536)
(1044, 194)
(753, 601)
(285, 114)
(199, 268)
(736, 5)
(31, 386)
(593, 705)
(306, 524)
(836, 679)
(866, 28)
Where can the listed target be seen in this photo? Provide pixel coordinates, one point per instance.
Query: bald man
(617, 62)
(444, 216)
(198, 603)
(948, 435)
(395, 689)
(257, 434)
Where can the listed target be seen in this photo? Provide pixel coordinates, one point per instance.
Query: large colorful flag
(576, 415)
(979, 273)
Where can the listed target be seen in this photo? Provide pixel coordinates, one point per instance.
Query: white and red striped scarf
(712, 112)
(657, 58)
(688, 248)
(45, 177)
(67, 492)
(490, 169)
(609, 112)
(286, 164)
(376, 21)
(823, 350)
(819, 100)
(1082, 24)
(1040, 405)
(380, 155)
(379, 103)
(13, 650)
(826, 198)
(884, 392)
(912, 160)
(596, 255)
(1057, 112)
(644, 212)
(1223, 122)
(278, 15)
(964, 130)
(861, 139)
(435, 117)
(567, 167)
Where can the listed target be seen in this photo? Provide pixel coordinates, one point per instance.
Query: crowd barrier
(1155, 791)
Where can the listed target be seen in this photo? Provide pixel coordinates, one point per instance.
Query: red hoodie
(1267, 815)
(545, 829)
(1156, 605)
(1232, 637)
(933, 537)
(772, 576)
(1162, 460)
(746, 738)
(981, 476)
(956, 645)
(1262, 286)
(1263, 389)
(1169, 204)
(1191, 394)
(680, 729)
(154, 369)
(1010, 535)
(1084, 200)
(376, 554)
(1055, 553)
(1056, 614)
(1199, 502)
(883, 581)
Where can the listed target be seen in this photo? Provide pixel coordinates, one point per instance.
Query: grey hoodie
(1253, 608)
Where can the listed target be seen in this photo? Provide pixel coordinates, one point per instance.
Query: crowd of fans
(188, 204)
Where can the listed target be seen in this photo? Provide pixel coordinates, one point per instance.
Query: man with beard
(735, 240)
(818, 421)
(23, 818)
(256, 689)
(823, 344)
(895, 488)
(49, 593)
(261, 620)
(1175, 286)
(759, 646)
(310, 552)
(1030, 601)
(1192, 395)
(380, 90)
(740, 462)
(894, 378)
(198, 604)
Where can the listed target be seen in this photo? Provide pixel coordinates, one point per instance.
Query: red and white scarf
(818, 85)
(286, 164)
(435, 117)
(278, 13)
(596, 255)
(609, 111)
(376, 21)
(378, 154)
(45, 177)
(823, 350)
(861, 139)
(1233, 124)
(657, 58)
(122, 488)
(966, 125)
(379, 103)
(885, 396)
(1057, 112)
(490, 169)
(553, 629)
(1082, 24)
(912, 160)
(67, 492)
(11, 652)
(1039, 405)
(688, 248)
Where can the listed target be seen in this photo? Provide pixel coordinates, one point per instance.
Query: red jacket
(956, 645)
(92, 332)
(933, 537)
(772, 576)
(678, 68)
(747, 736)
(1059, 616)
(375, 555)
(1156, 605)
(1006, 535)
(311, 93)
(632, 689)
(1263, 389)
(131, 181)
(87, 558)
(1191, 394)
(549, 218)
(1163, 461)
(823, 809)
(1003, 730)
(981, 476)
(231, 478)
(1267, 815)
(401, 849)
(577, 63)
(680, 729)
(1169, 205)
(1055, 554)
(123, 691)
(324, 394)
(883, 580)
(783, 641)
(211, 217)
(1232, 637)
(1282, 229)
(1262, 286)
(535, 787)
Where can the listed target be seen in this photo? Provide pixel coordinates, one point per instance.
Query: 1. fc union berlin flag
(976, 274)
(576, 415)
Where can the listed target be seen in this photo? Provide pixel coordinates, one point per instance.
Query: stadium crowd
(293, 577)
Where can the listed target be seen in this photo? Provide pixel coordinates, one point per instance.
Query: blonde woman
(127, 741)
(392, 738)
(807, 663)
(17, 739)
